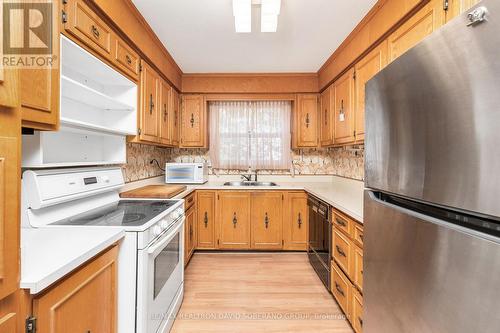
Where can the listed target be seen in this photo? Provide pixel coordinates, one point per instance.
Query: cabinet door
(306, 121)
(326, 118)
(343, 109)
(206, 219)
(193, 126)
(358, 267)
(357, 312)
(419, 26)
(174, 117)
(365, 69)
(189, 234)
(296, 222)
(234, 219)
(163, 109)
(9, 212)
(149, 113)
(267, 220)
(126, 59)
(83, 302)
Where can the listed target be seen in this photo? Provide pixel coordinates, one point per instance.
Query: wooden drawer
(357, 311)
(341, 250)
(357, 273)
(86, 25)
(189, 201)
(342, 222)
(358, 234)
(341, 288)
(126, 59)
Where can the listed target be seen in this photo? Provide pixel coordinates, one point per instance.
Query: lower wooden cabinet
(357, 311)
(341, 289)
(205, 201)
(234, 219)
(189, 233)
(295, 221)
(267, 220)
(83, 302)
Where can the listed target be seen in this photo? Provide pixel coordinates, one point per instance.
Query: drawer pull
(129, 61)
(190, 199)
(266, 221)
(235, 220)
(299, 221)
(205, 220)
(360, 321)
(95, 32)
(341, 222)
(339, 289)
(361, 237)
(340, 251)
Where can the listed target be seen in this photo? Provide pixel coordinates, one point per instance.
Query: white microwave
(186, 173)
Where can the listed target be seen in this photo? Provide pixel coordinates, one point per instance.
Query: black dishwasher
(320, 238)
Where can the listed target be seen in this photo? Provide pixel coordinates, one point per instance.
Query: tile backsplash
(345, 162)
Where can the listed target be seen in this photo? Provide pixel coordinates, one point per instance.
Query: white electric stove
(150, 261)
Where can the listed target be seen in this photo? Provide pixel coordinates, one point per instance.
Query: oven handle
(167, 238)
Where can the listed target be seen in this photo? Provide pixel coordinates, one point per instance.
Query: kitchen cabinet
(344, 108)
(193, 122)
(85, 301)
(164, 109)
(341, 289)
(357, 311)
(174, 117)
(357, 273)
(149, 113)
(305, 121)
(267, 220)
(126, 59)
(190, 228)
(364, 70)
(341, 250)
(234, 219)
(295, 221)
(206, 219)
(326, 119)
(416, 28)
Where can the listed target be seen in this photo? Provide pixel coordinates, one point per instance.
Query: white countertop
(48, 254)
(344, 194)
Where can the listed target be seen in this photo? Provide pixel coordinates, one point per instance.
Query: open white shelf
(84, 126)
(81, 93)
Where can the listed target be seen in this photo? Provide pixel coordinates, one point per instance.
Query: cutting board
(154, 192)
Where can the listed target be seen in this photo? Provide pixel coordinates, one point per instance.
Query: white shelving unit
(98, 110)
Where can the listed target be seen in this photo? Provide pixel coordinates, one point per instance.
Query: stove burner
(133, 217)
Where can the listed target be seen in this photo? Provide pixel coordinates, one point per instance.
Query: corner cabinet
(194, 133)
(305, 121)
(83, 302)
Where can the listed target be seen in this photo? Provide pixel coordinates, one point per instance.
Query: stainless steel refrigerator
(432, 207)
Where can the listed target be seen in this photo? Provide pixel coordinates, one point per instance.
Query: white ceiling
(200, 34)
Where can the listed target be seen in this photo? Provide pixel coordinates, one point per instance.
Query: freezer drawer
(422, 274)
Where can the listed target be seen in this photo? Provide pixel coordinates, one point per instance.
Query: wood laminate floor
(256, 292)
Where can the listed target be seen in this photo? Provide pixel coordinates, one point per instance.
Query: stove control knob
(157, 230)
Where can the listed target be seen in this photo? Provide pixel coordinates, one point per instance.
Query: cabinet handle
(192, 120)
(151, 104)
(340, 251)
(175, 118)
(341, 111)
(340, 222)
(299, 221)
(235, 220)
(308, 121)
(190, 233)
(361, 237)
(206, 220)
(326, 116)
(165, 113)
(339, 289)
(129, 61)
(360, 321)
(95, 32)
(266, 221)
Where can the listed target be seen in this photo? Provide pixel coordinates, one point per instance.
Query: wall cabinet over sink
(194, 131)
(305, 126)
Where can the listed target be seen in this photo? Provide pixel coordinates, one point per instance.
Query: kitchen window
(250, 134)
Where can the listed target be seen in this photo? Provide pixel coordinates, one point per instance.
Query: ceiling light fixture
(269, 15)
(242, 11)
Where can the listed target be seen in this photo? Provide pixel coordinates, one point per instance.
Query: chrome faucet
(248, 178)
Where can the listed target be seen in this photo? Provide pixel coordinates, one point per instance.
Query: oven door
(160, 277)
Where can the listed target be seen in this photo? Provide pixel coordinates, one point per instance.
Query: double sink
(250, 183)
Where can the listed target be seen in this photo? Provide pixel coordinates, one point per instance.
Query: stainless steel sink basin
(247, 183)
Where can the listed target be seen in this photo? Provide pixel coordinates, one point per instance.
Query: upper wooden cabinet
(174, 117)
(419, 26)
(127, 59)
(295, 221)
(164, 110)
(305, 121)
(234, 219)
(344, 108)
(149, 113)
(193, 122)
(267, 220)
(206, 219)
(83, 302)
(326, 118)
(365, 69)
